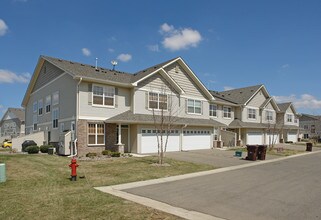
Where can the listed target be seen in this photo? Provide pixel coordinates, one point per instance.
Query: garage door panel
(254, 138)
(196, 139)
(149, 143)
(292, 137)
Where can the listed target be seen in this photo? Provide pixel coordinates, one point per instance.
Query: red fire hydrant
(73, 167)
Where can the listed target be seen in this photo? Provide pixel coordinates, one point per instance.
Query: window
(306, 127)
(55, 98)
(269, 115)
(289, 118)
(35, 107)
(157, 101)
(40, 107)
(194, 106)
(215, 134)
(55, 117)
(251, 113)
(213, 110)
(96, 134)
(296, 120)
(48, 103)
(62, 127)
(227, 112)
(313, 129)
(35, 121)
(103, 95)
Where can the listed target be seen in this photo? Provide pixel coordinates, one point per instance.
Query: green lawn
(38, 187)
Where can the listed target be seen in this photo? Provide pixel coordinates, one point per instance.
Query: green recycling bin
(2, 172)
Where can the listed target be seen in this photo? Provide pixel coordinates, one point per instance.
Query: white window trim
(248, 114)
(158, 109)
(103, 106)
(193, 113)
(215, 111)
(40, 107)
(52, 118)
(292, 117)
(266, 115)
(48, 104)
(224, 112)
(96, 135)
(52, 100)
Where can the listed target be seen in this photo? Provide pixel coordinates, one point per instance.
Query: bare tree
(164, 118)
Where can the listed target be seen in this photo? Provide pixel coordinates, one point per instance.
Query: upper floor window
(296, 120)
(55, 117)
(103, 95)
(48, 103)
(35, 122)
(40, 107)
(251, 113)
(227, 112)
(313, 129)
(269, 115)
(157, 101)
(213, 110)
(305, 127)
(55, 98)
(194, 106)
(35, 107)
(96, 134)
(289, 118)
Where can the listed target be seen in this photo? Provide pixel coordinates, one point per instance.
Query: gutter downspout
(77, 118)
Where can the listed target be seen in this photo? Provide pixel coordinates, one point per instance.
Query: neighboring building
(12, 123)
(310, 126)
(289, 123)
(101, 108)
(255, 115)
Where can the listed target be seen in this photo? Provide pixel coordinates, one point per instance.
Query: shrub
(91, 154)
(44, 148)
(106, 152)
(33, 149)
(115, 154)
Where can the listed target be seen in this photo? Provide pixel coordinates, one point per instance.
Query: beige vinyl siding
(264, 115)
(88, 111)
(269, 106)
(257, 100)
(156, 82)
(47, 73)
(184, 81)
(245, 117)
(220, 115)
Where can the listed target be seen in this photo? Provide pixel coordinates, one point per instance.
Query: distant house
(12, 123)
(310, 126)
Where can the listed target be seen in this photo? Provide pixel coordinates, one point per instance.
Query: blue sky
(228, 44)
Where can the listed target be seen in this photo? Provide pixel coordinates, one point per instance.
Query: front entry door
(124, 139)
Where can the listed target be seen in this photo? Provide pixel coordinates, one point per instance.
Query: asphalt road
(287, 189)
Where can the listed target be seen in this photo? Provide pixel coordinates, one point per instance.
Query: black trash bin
(251, 152)
(261, 152)
(309, 146)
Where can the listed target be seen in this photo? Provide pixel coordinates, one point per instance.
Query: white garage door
(254, 138)
(149, 142)
(292, 137)
(196, 139)
(270, 138)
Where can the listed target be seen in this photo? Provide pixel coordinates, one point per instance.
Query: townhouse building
(12, 123)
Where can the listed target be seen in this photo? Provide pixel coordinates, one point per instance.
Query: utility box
(2, 172)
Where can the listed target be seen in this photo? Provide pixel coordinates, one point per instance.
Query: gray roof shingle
(284, 106)
(241, 95)
(130, 117)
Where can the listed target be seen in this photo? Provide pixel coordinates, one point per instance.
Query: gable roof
(17, 112)
(242, 95)
(272, 101)
(284, 106)
(307, 117)
(219, 98)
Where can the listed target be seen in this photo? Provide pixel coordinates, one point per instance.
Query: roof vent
(82, 64)
(71, 62)
(60, 60)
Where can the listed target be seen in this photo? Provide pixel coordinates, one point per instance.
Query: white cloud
(178, 39)
(284, 66)
(3, 27)
(111, 50)
(86, 52)
(166, 28)
(305, 101)
(7, 76)
(124, 57)
(226, 88)
(154, 48)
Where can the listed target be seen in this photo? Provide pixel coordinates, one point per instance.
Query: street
(286, 189)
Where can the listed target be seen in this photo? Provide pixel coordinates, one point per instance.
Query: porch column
(240, 138)
(239, 141)
(119, 134)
